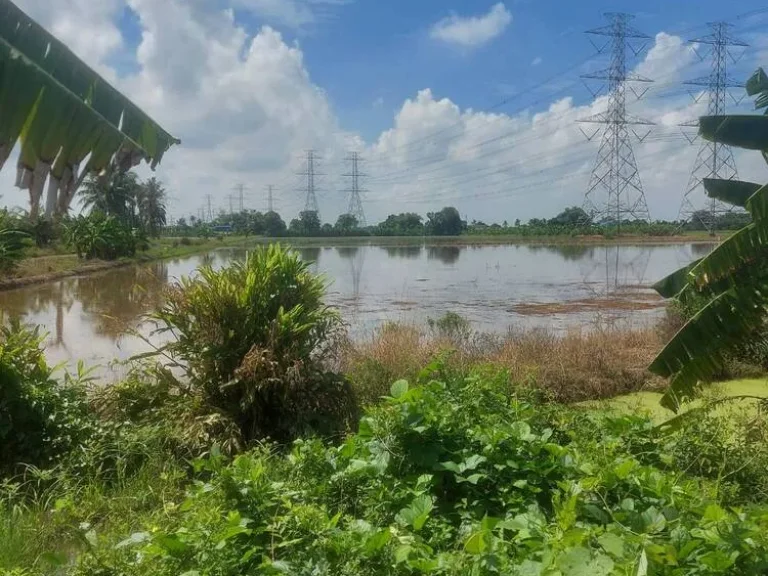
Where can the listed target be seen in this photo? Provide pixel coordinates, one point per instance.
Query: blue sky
(370, 50)
(414, 86)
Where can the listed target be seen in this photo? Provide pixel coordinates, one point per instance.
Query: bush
(98, 236)
(254, 337)
(40, 419)
(451, 477)
(186, 241)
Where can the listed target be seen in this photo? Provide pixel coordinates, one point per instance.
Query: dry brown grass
(601, 362)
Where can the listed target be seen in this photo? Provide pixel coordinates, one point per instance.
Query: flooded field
(99, 318)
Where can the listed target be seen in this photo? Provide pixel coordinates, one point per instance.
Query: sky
(469, 103)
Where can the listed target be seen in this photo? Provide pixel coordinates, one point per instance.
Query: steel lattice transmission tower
(310, 173)
(355, 201)
(714, 160)
(615, 191)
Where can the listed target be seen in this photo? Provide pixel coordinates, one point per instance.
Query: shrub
(186, 241)
(98, 236)
(253, 338)
(451, 477)
(40, 419)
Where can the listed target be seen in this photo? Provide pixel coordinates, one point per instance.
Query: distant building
(223, 229)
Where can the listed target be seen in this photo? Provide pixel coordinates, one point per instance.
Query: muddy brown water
(95, 318)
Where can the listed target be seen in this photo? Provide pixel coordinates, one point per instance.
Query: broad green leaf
(579, 562)
(732, 192)
(673, 284)
(476, 544)
(133, 540)
(642, 565)
(378, 541)
(417, 513)
(399, 389)
(612, 544)
(653, 520)
(742, 131)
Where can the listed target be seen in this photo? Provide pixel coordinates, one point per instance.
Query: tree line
(572, 221)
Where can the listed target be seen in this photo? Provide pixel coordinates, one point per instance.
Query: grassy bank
(49, 265)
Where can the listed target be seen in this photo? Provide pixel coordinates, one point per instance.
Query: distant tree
(182, 222)
(517, 223)
(346, 224)
(573, 216)
(404, 224)
(327, 229)
(307, 224)
(274, 225)
(150, 198)
(113, 194)
(447, 222)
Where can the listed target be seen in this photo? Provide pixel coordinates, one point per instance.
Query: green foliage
(404, 224)
(447, 222)
(732, 280)
(347, 225)
(274, 225)
(12, 245)
(450, 477)
(253, 338)
(103, 237)
(307, 224)
(40, 419)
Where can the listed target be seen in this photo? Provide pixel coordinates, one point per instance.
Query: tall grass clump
(254, 338)
(567, 367)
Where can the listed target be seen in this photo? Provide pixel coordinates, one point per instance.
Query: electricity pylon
(355, 201)
(615, 191)
(714, 160)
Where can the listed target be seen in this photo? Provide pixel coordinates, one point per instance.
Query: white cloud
(246, 106)
(293, 13)
(536, 61)
(471, 31)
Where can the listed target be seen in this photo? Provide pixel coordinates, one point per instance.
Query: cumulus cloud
(472, 31)
(245, 106)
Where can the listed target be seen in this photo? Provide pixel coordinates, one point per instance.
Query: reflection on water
(95, 318)
(446, 254)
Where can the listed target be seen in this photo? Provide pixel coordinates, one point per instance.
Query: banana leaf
(743, 131)
(757, 85)
(673, 284)
(695, 354)
(732, 192)
(60, 108)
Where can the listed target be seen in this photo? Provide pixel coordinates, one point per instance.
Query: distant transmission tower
(310, 173)
(240, 189)
(714, 160)
(270, 200)
(615, 191)
(355, 202)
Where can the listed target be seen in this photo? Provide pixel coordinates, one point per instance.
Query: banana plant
(733, 279)
(63, 113)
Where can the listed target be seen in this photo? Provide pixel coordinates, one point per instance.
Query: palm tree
(733, 279)
(114, 194)
(151, 203)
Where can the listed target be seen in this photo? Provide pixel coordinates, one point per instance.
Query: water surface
(94, 318)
